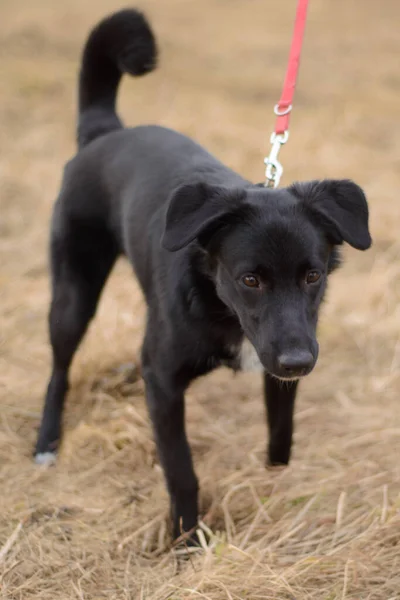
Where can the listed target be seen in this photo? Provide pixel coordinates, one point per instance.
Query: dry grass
(326, 528)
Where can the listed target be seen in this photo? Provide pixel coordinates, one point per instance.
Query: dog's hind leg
(279, 401)
(82, 256)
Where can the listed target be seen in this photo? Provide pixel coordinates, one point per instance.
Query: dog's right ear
(341, 207)
(197, 211)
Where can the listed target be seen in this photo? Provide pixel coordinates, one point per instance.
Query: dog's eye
(312, 277)
(251, 281)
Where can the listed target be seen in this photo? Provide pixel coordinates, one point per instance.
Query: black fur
(122, 43)
(218, 259)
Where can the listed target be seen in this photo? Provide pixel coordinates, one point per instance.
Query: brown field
(95, 526)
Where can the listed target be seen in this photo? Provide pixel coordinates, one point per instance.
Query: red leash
(283, 109)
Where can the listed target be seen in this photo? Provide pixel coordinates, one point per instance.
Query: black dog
(233, 273)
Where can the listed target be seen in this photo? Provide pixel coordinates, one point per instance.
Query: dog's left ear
(340, 206)
(197, 211)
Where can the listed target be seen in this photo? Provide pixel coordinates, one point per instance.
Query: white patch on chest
(249, 360)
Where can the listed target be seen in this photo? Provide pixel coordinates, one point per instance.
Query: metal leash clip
(274, 169)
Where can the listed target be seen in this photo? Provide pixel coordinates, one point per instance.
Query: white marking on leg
(45, 458)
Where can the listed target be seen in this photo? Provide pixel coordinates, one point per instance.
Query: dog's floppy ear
(341, 207)
(197, 211)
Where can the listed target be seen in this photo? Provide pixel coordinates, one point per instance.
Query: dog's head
(271, 252)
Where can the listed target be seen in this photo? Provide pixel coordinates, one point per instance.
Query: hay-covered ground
(94, 527)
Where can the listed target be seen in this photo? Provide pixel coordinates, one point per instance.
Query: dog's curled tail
(121, 43)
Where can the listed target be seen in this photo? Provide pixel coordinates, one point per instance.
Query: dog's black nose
(295, 363)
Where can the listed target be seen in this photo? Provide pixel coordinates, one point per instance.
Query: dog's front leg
(279, 401)
(166, 405)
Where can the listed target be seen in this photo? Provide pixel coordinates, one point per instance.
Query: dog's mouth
(291, 378)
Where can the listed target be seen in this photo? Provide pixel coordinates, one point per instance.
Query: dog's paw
(278, 455)
(45, 458)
